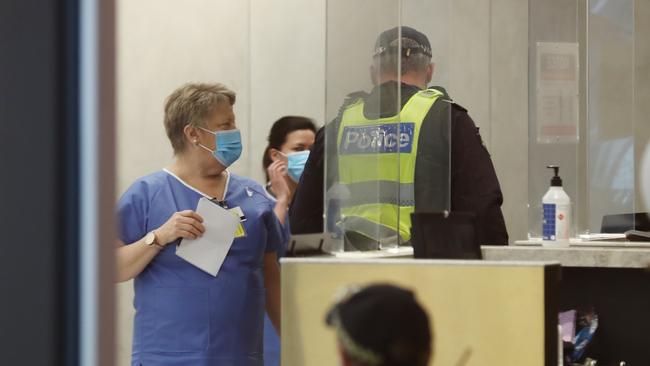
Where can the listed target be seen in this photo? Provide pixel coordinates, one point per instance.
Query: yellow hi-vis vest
(376, 163)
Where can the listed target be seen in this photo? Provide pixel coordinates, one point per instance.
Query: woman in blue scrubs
(185, 316)
(284, 159)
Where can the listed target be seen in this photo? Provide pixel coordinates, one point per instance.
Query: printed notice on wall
(557, 94)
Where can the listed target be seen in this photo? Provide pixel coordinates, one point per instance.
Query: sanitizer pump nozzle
(556, 181)
(556, 225)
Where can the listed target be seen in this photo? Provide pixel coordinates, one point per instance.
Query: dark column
(38, 184)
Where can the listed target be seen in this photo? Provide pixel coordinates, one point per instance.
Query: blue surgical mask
(228, 146)
(296, 164)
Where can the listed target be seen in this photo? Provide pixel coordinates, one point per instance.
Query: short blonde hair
(192, 103)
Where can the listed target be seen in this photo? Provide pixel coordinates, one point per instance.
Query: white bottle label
(556, 224)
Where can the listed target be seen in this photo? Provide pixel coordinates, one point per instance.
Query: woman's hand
(277, 174)
(132, 259)
(182, 224)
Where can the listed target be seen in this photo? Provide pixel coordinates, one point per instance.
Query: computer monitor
(621, 223)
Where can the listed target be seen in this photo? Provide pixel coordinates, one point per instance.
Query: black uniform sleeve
(306, 213)
(306, 210)
(474, 183)
(432, 163)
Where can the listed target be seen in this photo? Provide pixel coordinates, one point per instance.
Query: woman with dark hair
(284, 159)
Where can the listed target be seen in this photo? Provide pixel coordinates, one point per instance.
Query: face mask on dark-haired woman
(296, 164)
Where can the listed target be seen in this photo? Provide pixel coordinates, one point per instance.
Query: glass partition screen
(376, 111)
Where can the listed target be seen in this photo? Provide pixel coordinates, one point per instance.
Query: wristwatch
(150, 239)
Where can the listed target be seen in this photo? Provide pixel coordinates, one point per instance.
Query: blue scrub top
(185, 316)
(271, 338)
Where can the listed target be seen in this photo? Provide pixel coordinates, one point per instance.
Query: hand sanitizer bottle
(556, 225)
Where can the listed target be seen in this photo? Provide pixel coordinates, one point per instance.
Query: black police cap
(386, 42)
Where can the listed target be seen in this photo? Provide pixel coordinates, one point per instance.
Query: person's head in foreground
(381, 325)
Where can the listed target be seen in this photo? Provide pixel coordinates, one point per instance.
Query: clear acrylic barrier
(582, 103)
(372, 138)
(554, 103)
(610, 110)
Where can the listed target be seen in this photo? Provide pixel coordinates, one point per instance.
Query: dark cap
(382, 325)
(387, 42)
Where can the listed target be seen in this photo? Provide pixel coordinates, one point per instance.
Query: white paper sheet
(209, 251)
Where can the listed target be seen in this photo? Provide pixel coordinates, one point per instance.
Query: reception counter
(611, 277)
(483, 313)
(591, 255)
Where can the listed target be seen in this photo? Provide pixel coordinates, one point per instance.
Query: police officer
(420, 128)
